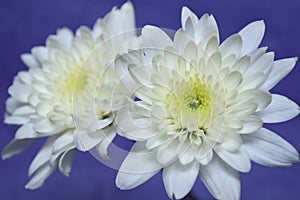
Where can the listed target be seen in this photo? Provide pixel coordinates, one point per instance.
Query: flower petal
(179, 179)
(40, 176)
(239, 160)
(65, 161)
(231, 45)
(252, 36)
(279, 110)
(15, 147)
(153, 37)
(29, 60)
(221, 180)
(279, 70)
(42, 156)
(138, 166)
(185, 14)
(267, 148)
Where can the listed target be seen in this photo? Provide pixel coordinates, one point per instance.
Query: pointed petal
(40, 176)
(138, 166)
(185, 14)
(252, 36)
(279, 110)
(267, 148)
(42, 156)
(15, 147)
(280, 69)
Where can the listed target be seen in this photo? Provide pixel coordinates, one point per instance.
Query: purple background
(27, 23)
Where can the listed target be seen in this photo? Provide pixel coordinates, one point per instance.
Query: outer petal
(252, 36)
(139, 166)
(179, 179)
(221, 180)
(267, 148)
(40, 176)
(185, 14)
(15, 147)
(279, 110)
(42, 156)
(120, 20)
(279, 70)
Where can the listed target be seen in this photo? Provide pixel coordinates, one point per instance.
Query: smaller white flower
(59, 88)
(201, 108)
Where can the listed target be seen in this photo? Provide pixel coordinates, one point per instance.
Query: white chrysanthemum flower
(60, 86)
(201, 107)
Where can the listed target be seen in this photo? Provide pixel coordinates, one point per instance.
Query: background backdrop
(27, 23)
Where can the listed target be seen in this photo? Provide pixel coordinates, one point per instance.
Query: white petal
(231, 45)
(40, 53)
(11, 104)
(231, 142)
(221, 180)
(24, 110)
(279, 70)
(168, 153)
(279, 110)
(263, 64)
(40, 176)
(185, 14)
(29, 60)
(60, 144)
(138, 166)
(16, 120)
(206, 29)
(65, 161)
(26, 131)
(121, 20)
(19, 91)
(45, 126)
(15, 147)
(269, 149)
(238, 160)
(179, 179)
(154, 37)
(42, 156)
(250, 124)
(252, 36)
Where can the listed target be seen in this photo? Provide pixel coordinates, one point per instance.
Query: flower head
(201, 107)
(59, 88)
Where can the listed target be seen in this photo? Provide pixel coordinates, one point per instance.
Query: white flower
(60, 86)
(201, 108)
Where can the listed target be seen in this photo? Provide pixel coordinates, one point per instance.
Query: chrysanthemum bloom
(59, 87)
(201, 106)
